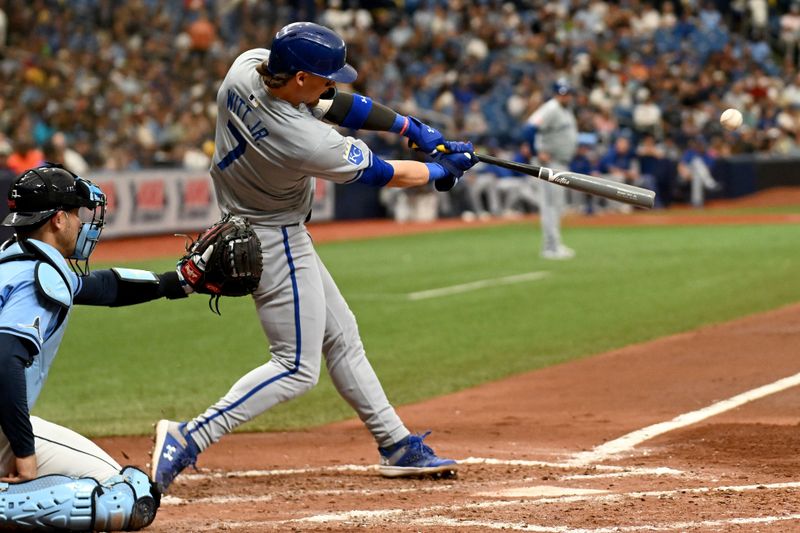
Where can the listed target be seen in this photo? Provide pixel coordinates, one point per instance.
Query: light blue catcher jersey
(267, 152)
(27, 313)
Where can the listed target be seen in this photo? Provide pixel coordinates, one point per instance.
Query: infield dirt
(736, 471)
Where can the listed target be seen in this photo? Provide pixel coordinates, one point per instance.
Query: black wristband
(169, 286)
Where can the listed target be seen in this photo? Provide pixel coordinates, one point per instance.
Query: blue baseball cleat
(173, 452)
(411, 458)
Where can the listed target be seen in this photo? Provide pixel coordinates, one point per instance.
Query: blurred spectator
(3, 28)
(198, 158)
(654, 169)
(25, 155)
(694, 170)
(133, 84)
(481, 185)
(790, 35)
(646, 113)
(202, 33)
(7, 174)
(57, 151)
(620, 164)
(517, 192)
(419, 204)
(585, 162)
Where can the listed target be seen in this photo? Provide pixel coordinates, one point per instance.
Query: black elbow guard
(359, 112)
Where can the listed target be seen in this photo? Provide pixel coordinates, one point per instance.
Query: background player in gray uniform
(270, 144)
(51, 476)
(555, 142)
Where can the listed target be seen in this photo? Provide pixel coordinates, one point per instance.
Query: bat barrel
(621, 192)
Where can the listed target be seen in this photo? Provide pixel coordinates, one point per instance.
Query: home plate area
(489, 494)
(691, 432)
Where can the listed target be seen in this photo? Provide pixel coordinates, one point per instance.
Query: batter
(270, 144)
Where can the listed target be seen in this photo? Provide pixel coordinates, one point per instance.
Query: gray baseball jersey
(266, 154)
(556, 130)
(557, 135)
(268, 151)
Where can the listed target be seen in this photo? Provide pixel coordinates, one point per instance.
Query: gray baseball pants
(304, 316)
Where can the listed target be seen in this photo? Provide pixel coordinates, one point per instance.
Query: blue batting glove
(456, 163)
(447, 169)
(423, 137)
(455, 147)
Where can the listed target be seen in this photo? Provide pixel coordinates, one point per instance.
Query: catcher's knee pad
(126, 502)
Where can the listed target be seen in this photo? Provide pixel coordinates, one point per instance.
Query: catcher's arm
(128, 286)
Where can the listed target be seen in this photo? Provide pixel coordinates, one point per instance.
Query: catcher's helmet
(39, 192)
(311, 48)
(562, 86)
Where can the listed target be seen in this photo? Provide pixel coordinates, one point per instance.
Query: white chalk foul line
(674, 526)
(633, 439)
(535, 496)
(383, 514)
(511, 526)
(475, 285)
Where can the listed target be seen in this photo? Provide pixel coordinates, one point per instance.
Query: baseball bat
(621, 192)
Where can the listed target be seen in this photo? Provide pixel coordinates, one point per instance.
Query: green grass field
(119, 370)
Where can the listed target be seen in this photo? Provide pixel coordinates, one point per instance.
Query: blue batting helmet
(562, 86)
(311, 48)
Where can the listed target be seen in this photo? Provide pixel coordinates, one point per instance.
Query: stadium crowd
(103, 84)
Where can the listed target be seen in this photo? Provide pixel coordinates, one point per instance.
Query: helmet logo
(15, 194)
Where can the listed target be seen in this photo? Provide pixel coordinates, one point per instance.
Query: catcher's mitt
(225, 260)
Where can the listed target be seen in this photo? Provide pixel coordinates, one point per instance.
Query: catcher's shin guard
(48, 503)
(61, 503)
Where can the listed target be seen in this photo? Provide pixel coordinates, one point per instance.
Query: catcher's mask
(39, 193)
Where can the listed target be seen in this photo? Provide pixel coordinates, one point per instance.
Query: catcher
(52, 478)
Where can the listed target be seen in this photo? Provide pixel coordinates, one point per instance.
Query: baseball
(731, 119)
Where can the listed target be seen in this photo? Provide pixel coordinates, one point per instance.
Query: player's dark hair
(273, 81)
(27, 232)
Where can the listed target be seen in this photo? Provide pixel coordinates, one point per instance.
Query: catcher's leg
(291, 307)
(126, 502)
(60, 450)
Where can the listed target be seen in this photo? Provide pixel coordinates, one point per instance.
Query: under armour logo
(363, 100)
(430, 130)
(169, 454)
(15, 194)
